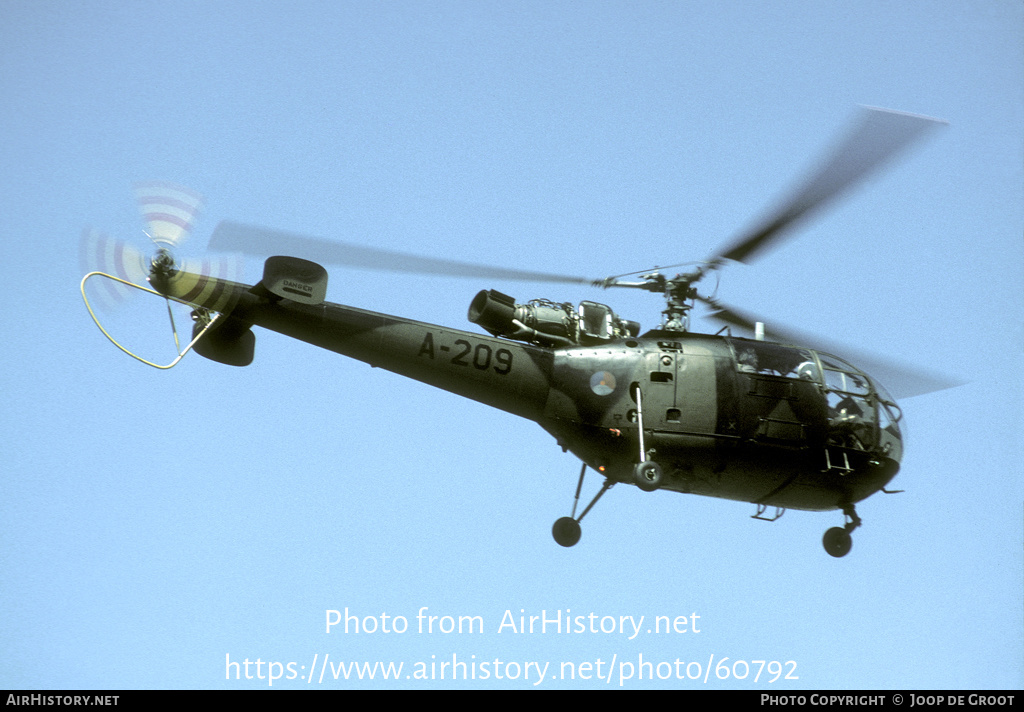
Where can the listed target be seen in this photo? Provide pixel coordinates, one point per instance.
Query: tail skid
(206, 318)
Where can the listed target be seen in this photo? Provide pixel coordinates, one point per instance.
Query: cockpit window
(846, 382)
(774, 360)
(851, 413)
(890, 410)
(841, 376)
(883, 395)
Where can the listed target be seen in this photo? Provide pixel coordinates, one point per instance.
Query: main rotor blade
(901, 380)
(236, 237)
(878, 135)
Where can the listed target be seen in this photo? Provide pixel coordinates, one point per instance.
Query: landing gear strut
(647, 473)
(837, 540)
(566, 530)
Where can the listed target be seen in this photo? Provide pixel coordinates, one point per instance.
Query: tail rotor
(115, 269)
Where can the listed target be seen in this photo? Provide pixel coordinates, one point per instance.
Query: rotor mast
(679, 293)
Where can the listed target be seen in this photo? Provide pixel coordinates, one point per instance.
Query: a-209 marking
(479, 357)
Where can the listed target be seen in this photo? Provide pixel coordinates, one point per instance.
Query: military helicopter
(769, 422)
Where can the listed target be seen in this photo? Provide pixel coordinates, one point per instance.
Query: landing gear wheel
(837, 542)
(566, 531)
(647, 475)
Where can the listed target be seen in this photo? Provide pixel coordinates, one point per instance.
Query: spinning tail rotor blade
(170, 211)
(249, 239)
(101, 253)
(193, 279)
(878, 136)
(901, 380)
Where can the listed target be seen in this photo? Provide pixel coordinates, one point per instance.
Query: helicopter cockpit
(860, 413)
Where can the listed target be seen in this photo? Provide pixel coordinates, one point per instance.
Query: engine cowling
(539, 321)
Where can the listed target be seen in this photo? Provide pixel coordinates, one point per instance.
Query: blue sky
(153, 523)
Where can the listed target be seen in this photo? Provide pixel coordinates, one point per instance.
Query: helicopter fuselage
(725, 417)
(750, 420)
